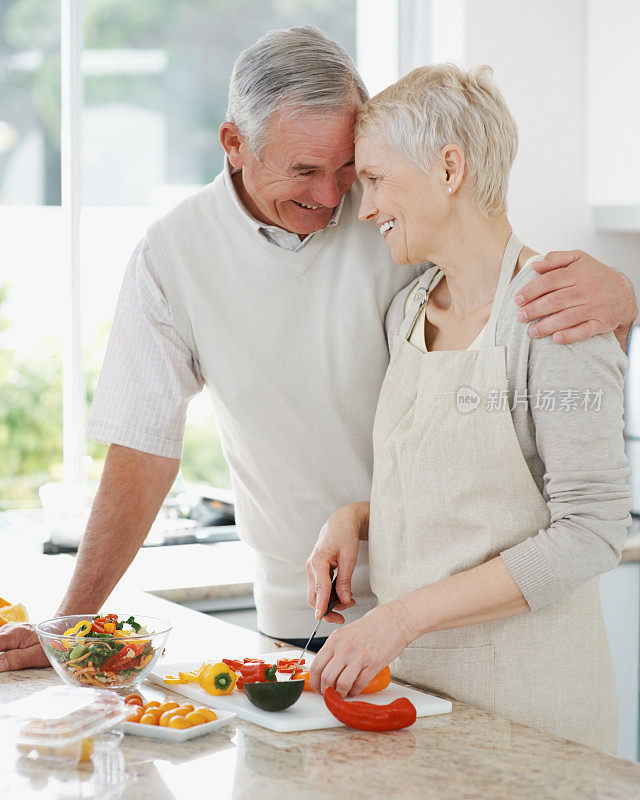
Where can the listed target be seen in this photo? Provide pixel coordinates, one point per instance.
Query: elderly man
(266, 288)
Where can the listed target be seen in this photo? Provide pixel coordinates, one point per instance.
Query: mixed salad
(104, 651)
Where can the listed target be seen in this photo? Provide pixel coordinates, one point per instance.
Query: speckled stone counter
(467, 754)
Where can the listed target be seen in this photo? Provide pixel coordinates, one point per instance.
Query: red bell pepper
(232, 664)
(368, 716)
(256, 673)
(121, 660)
(288, 664)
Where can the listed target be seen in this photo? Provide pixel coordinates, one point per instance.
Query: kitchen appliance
(632, 417)
(308, 714)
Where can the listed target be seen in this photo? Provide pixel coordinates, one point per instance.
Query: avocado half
(274, 695)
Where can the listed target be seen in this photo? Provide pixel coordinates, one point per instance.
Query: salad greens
(103, 652)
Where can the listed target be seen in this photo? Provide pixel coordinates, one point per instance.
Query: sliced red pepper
(256, 673)
(288, 664)
(368, 716)
(232, 664)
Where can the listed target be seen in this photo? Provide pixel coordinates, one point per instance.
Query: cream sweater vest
(293, 350)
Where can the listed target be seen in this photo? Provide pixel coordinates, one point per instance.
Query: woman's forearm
(480, 594)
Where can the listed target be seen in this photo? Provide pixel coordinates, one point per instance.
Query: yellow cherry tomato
(151, 704)
(178, 721)
(148, 719)
(195, 718)
(207, 713)
(136, 714)
(167, 706)
(163, 721)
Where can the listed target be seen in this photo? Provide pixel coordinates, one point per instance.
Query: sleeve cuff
(533, 574)
(145, 442)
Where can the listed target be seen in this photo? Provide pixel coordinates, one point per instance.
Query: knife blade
(333, 599)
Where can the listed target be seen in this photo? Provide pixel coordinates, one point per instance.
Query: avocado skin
(274, 695)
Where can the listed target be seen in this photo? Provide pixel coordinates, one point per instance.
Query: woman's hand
(353, 655)
(337, 547)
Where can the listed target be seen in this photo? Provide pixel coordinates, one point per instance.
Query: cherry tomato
(167, 706)
(151, 704)
(134, 699)
(165, 717)
(195, 718)
(181, 711)
(136, 714)
(148, 719)
(207, 713)
(178, 721)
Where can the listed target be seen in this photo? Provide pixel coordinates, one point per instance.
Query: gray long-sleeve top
(574, 450)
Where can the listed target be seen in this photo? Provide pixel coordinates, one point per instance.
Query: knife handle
(333, 597)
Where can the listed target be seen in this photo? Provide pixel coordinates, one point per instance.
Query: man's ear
(234, 143)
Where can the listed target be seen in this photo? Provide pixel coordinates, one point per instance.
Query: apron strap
(420, 294)
(509, 262)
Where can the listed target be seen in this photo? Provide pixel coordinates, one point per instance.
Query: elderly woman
(500, 479)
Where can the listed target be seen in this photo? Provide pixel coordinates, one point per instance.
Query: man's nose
(326, 191)
(368, 208)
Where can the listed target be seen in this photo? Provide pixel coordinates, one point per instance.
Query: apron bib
(451, 490)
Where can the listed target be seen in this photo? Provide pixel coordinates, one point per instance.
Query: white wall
(537, 50)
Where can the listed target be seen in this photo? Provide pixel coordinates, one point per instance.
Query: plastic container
(63, 725)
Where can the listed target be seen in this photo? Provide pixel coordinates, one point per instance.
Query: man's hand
(577, 297)
(337, 547)
(23, 647)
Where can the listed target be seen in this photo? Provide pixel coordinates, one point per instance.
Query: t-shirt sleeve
(575, 395)
(149, 374)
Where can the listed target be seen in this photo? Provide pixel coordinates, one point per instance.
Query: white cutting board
(309, 713)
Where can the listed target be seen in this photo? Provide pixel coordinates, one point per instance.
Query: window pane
(31, 266)
(156, 82)
(30, 102)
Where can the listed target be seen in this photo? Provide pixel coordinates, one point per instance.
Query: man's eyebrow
(300, 167)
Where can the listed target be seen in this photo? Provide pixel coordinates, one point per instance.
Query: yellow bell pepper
(81, 629)
(217, 679)
(171, 680)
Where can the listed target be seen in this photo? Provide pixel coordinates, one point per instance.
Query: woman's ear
(233, 142)
(453, 161)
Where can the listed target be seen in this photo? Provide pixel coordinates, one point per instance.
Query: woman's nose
(368, 209)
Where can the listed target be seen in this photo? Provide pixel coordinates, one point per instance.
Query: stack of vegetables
(104, 651)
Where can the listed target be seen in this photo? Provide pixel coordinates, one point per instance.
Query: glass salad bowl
(107, 651)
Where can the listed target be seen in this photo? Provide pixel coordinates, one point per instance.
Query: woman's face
(408, 206)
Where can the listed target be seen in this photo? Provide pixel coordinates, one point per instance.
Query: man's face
(307, 166)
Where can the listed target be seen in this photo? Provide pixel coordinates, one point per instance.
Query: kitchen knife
(333, 599)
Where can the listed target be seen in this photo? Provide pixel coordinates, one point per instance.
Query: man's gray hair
(298, 69)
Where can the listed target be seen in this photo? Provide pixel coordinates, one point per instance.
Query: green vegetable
(78, 650)
(131, 621)
(270, 696)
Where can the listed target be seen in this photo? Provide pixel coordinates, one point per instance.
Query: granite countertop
(465, 754)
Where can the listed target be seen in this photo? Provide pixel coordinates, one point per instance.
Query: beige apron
(452, 490)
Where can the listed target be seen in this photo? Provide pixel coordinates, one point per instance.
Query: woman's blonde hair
(444, 104)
